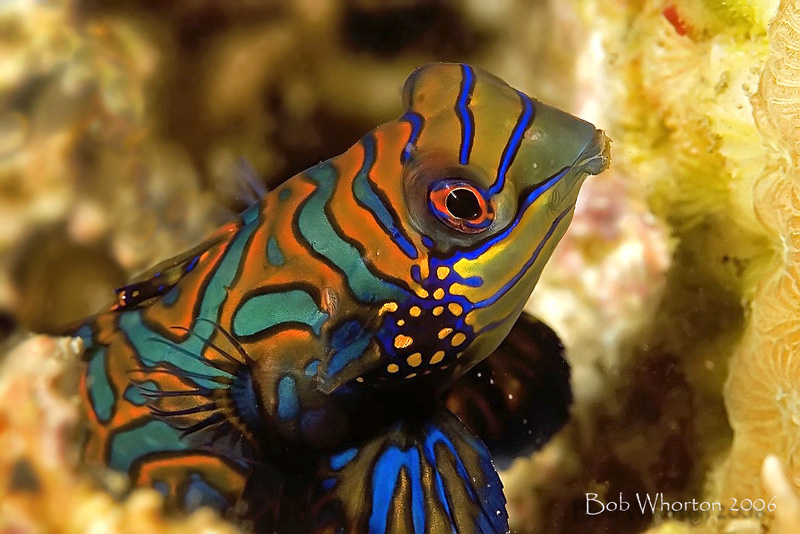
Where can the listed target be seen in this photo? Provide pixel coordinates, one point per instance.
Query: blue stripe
(514, 142)
(311, 368)
(417, 122)
(338, 461)
(348, 343)
(532, 197)
(508, 285)
(385, 481)
(436, 436)
(465, 114)
(366, 195)
(134, 392)
(288, 403)
(417, 495)
(192, 264)
(482, 522)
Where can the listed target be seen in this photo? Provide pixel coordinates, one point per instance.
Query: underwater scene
(363, 267)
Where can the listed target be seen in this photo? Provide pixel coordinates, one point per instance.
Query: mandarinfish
(296, 369)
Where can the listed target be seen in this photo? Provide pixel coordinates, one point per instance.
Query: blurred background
(124, 125)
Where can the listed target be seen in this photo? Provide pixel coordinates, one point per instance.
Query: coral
(762, 392)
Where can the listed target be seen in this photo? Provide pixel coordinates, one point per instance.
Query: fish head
(490, 178)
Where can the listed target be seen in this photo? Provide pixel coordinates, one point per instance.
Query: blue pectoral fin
(428, 477)
(518, 397)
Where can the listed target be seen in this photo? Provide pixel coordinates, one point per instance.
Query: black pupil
(463, 203)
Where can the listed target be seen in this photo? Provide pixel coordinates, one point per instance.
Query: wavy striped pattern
(338, 286)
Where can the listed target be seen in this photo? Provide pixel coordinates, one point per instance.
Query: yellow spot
(415, 311)
(442, 272)
(455, 309)
(392, 368)
(437, 357)
(359, 379)
(412, 375)
(388, 307)
(444, 332)
(401, 322)
(423, 294)
(415, 359)
(438, 294)
(437, 311)
(401, 341)
(458, 339)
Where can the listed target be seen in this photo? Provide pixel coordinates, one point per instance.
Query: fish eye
(460, 205)
(463, 204)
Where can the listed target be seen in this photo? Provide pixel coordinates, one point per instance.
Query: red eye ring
(461, 206)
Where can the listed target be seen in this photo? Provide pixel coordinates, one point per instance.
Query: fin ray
(519, 397)
(424, 477)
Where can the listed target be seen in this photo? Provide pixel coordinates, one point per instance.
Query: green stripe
(261, 312)
(320, 234)
(130, 445)
(150, 345)
(100, 392)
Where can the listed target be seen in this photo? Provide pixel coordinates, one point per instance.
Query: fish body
(300, 360)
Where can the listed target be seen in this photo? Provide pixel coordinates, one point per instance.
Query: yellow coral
(763, 390)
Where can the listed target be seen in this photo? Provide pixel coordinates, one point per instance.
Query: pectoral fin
(517, 398)
(431, 476)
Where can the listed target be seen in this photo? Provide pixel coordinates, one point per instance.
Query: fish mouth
(596, 157)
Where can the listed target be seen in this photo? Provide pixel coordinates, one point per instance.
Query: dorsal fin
(157, 281)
